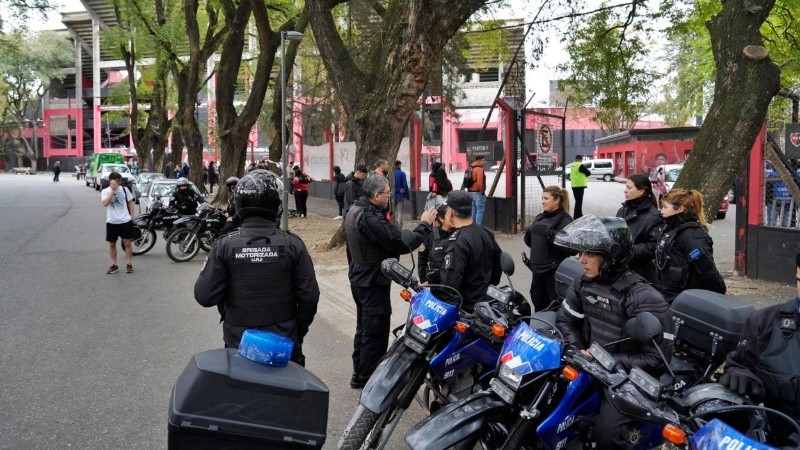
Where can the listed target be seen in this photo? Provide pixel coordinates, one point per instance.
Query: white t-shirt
(117, 210)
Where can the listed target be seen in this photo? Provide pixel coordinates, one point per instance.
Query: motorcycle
(195, 232)
(450, 352)
(159, 217)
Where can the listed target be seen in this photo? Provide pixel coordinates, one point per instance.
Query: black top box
(224, 397)
(707, 323)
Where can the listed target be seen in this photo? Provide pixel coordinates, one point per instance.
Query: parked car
(600, 168)
(664, 177)
(141, 181)
(160, 188)
(101, 177)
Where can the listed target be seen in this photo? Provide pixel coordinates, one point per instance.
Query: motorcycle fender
(455, 422)
(182, 221)
(390, 377)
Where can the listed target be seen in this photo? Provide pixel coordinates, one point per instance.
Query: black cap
(460, 201)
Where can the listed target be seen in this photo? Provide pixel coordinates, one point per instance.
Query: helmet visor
(588, 234)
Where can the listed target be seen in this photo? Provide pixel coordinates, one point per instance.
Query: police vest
(603, 307)
(260, 289)
(436, 254)
(576, 177)
(362, 250)
(778, 368)
(543, 255)
(673, 267)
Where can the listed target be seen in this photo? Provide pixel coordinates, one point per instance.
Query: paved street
(89, 359)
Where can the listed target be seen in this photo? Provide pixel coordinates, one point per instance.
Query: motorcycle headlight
(510, 376)
(505, 393)
(419, 334)
(645, 382)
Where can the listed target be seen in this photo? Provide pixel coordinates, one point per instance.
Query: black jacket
(645, 222)
(641, 297)
(545, 226)
(387, 239)
(185, 201)
(685, 258)
(353, 191)
(471, 263)
(432, 250)
(213, 288)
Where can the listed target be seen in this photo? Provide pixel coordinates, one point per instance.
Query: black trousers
(340, 201)
(371, 340)
(612, 429)
(578, 193)
(300, 199)
(543, 290)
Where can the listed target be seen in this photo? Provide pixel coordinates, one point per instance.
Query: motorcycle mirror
(507, 263)
(643, 327)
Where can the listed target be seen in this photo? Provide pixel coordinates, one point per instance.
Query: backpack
(468, 180)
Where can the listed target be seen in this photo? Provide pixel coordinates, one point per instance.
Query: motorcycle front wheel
(206, 239)
(145, 243)
(182, 245)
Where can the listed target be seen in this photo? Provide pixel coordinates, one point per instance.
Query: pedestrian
(430, 257)
(370, 240)
(56, 171)
(685, 251)
(605, 248)
(766, 363)
(135, 168)
(579, 180)
(439, 186)
(205, 174)
(401, 192)
(545, 255)
(119, 204)
(168, 170)
(353, 188)
(300, 183)
(259, 276)
(475, 183)
(339, 187)
(213, 176)
(472, 259)
(640, 211)
(185, 169)
(382, 168)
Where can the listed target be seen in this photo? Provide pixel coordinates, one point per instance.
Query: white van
(600, 168)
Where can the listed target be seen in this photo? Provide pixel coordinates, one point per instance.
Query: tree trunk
(743, 91)
(378, 100)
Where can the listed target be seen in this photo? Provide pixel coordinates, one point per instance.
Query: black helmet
(231, 181)
(607, 236)
(182, 181)
(258, 193)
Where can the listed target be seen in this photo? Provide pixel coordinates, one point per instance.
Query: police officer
(185, 199)
(472, 259)
(685, 251)
(261, 276)
(641, 213)
(766, 364)
(370, 240)
(430, 257)
(233, 220)
(546, 256)
(599, 303)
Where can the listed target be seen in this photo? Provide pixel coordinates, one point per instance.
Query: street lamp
(292, 36)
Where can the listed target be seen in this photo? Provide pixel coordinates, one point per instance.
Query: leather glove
(741, 384)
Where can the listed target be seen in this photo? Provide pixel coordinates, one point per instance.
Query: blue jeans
(478, 205)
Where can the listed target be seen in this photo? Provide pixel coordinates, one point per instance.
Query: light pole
(293, 36)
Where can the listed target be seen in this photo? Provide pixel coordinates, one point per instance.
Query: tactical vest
(362, 251)
(436, 255)
(260, 289)
(602, 305)
(778, 368)
(672, 266)
(543, 255)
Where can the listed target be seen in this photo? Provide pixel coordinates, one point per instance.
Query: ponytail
(559, 194)
(692, 202)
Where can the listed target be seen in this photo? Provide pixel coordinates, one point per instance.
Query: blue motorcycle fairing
(717, 434)
(455, 422)
(560, 425)
(431, 314)
(527, 351)
(455, 358)
(389, 378)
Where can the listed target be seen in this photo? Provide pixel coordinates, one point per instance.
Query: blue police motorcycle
(450, 352)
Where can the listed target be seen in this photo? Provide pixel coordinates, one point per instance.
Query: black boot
(356, 382)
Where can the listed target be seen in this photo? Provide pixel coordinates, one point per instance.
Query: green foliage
(608, 68)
